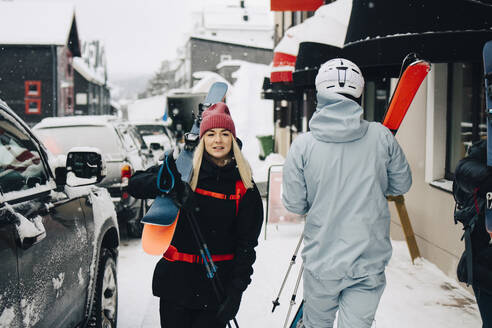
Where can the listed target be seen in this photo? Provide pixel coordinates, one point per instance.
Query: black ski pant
(176, 316)
(484, 302)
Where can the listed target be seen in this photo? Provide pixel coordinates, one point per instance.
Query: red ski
(411, 78)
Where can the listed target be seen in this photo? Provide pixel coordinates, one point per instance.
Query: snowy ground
(416, 295)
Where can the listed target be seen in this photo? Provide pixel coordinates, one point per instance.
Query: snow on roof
(115, 104)
(89, 74)
(53, 122)
(238, 40)
(232, 62)
(44, 23)
(151, 108)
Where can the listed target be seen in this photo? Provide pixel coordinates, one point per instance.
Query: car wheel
(105, 306)
(135, 227)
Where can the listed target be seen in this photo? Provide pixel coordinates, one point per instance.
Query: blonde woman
(229, 212)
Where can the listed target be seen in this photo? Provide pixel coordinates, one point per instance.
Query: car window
(21, 166)
(138, 138)
(147, 129)
(128, 141)
(59, 140)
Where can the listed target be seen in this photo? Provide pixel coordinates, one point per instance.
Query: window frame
(33, 111)
(477, 89)
(28, 93)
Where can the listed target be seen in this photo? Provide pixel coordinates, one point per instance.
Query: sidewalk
(417, 295)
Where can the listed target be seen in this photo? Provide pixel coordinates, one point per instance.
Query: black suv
(58, 242)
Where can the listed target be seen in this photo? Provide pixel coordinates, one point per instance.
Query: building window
(33, 106)
(376, 99)
(225, 57)
(466, 112)
(32, 88)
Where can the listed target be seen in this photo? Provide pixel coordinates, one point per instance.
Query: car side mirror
(155, 146)
(86, 163)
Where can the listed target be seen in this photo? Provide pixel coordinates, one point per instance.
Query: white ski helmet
(341, 76)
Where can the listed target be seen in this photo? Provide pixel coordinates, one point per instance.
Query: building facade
(36, 75)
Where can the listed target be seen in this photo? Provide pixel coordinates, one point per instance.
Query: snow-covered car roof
(92, 120)
(150, 122)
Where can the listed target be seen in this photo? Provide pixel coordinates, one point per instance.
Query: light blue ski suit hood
(339, 175)
(337, 119)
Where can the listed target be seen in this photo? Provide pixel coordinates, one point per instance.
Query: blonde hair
(241, 163)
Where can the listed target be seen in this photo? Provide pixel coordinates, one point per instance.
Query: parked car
(157, 136)
(122, 152)
(58, 241)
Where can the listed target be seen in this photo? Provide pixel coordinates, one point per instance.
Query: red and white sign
(327, 26)
(276, 212)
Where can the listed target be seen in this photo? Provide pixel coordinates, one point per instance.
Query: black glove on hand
(183, 196)
(168, 173)
(228, 309)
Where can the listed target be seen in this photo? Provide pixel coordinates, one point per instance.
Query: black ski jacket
(225, 233)
(473, 176)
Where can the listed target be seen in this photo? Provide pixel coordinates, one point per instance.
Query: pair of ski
(412, 74)
(162, 217)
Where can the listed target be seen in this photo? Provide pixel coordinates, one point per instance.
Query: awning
(324, 41)
(278, 91)
(295, 5)
(284, 56)
(454, 30)
(327, 27)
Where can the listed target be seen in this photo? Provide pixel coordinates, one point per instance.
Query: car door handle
(30, 232)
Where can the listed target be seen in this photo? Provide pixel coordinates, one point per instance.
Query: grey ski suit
(339, 174)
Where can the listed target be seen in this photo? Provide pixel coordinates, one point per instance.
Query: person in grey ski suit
(339, 175)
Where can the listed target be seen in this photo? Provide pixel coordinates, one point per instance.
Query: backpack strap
(469, 216)
(240, 191)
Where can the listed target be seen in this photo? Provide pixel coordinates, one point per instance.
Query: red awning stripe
(281, 76)
(295, 5)
(283, 59)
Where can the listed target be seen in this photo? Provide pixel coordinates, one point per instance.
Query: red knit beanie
(217, 116)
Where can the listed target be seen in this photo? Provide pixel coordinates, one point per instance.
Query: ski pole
(208, 262)
(293, 298)
(292, 262)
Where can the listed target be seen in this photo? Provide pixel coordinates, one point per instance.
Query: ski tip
(156, 239)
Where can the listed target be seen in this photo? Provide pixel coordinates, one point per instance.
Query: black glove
(168, 176)
(183, 196)
(228, 309)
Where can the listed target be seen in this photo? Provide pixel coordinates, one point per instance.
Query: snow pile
(252, 115)
(91, 74)
(30, 229)
(58, 283)
(6, 317)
